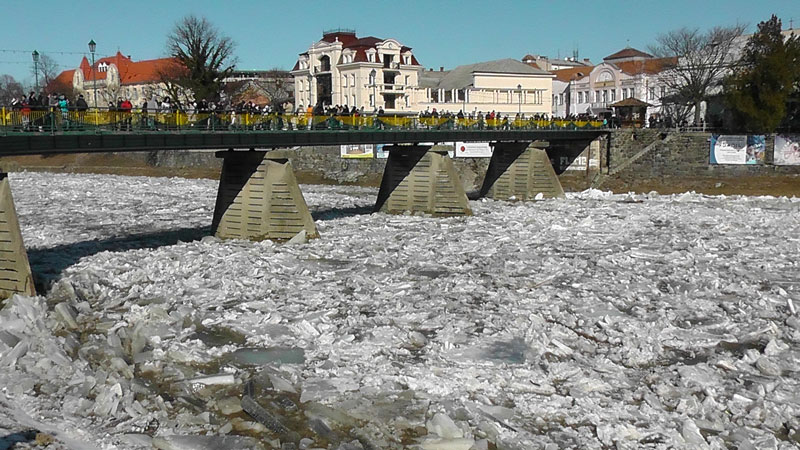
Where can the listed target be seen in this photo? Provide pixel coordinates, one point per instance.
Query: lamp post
(35, 55)
(92, 47)
(519, 87)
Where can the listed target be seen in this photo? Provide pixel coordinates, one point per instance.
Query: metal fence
(52, 120)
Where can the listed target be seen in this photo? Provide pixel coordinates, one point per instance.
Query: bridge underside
(259, 197)
(59, 143)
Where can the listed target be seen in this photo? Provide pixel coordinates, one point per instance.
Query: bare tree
(47, 70)
(9, 89)
(204, 57)
(703, 60)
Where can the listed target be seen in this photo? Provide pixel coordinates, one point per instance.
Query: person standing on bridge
(63, 105)
(81, 106)
(125, 108)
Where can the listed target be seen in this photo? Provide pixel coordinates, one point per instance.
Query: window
(651, 93)
(406, 99)
(406, 60)
(408, 78)
(354, 100)
(353, 80)
(663, 91)
(344, 80)
(371, 57)
(561, 99)
(613, 95)
(597, 96)
(605, 96)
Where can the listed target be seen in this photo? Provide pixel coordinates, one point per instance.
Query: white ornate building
(342, 69)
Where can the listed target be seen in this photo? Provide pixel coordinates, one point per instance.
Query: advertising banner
(473, 150)
(728, 149)
(380, 153)
(756, 149)
(357, 151)
(787, 150)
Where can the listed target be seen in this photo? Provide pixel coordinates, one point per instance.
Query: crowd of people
(31, 113)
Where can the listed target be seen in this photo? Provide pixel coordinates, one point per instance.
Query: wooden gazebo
(631, 112)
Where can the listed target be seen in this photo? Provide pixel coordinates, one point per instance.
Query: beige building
(342, 69)
(506, 86)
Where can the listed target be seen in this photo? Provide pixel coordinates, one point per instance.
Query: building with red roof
(628, 73)
(116, 77)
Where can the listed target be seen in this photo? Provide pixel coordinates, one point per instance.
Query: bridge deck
(33, 143)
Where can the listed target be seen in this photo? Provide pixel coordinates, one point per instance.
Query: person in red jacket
(125, 108)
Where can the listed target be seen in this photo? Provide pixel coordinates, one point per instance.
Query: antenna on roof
(791, 23)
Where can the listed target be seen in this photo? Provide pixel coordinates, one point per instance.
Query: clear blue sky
(441, 32)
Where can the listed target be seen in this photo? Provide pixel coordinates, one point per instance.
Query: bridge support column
(520, 170)
(259, 198)
(421, 179)
(15, 271)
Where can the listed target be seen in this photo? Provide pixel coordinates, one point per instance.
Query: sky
(442, 33)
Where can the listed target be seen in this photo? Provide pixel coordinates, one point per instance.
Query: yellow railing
(70, 120)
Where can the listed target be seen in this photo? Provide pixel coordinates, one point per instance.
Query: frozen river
(598, 321)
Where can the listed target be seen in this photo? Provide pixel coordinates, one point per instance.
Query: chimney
(441, 68)
(586, 60)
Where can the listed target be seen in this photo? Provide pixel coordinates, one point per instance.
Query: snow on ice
(626, 321)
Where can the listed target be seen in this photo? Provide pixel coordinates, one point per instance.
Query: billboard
(787, 150)
(737, 149)
(473, 150)
(756, 149)
(356, 151)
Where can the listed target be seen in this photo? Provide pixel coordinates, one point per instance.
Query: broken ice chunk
(443, 426)
(67, 315)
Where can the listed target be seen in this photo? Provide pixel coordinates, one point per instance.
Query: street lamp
(35, 55)
(519, 87)
(92, 47)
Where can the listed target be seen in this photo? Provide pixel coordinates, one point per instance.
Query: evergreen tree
(767, 78)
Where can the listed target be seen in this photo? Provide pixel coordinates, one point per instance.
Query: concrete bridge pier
(15, 271)
(521, 170)
(421, 178)
(259, 198)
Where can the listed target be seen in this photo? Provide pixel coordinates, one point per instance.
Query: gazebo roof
(630, 101)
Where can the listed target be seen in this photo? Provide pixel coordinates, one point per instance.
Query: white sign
(728, 149)
(356, 151)
(787, 150)
(578, 163)
(473, 150)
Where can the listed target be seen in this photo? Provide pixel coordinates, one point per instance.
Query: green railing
(52, 120)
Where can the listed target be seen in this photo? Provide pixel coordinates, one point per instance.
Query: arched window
(325, 64)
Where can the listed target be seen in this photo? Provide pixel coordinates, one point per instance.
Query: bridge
(259, 197)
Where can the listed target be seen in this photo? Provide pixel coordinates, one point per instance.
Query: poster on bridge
(473, 150)
(787, 150)
(357, 151)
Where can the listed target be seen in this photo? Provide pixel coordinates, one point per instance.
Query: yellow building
(506, 86)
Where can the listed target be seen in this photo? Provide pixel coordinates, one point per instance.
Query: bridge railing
(100, 120)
